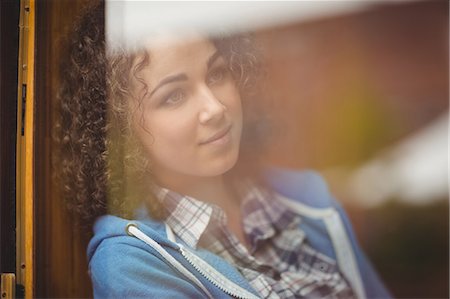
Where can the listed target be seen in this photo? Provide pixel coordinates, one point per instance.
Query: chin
(222, 165)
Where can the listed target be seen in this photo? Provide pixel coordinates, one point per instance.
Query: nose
(212, 109)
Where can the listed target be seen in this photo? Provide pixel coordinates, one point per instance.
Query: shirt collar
(263, 214)
(186, 216)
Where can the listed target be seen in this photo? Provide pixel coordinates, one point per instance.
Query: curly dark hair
(100, 164)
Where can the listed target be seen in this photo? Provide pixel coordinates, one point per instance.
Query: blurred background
(362, 97)
(359, 92)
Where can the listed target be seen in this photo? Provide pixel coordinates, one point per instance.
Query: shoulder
(303, 186)
(123, 266)
(109, 229)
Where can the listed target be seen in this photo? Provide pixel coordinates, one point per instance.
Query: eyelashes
(174, 97)
(215, 77)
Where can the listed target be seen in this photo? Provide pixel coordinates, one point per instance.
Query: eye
(174, 97)
(217, 75)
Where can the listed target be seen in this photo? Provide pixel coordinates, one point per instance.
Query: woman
(158, 147)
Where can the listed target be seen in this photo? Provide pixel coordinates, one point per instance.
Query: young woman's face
(190, 121)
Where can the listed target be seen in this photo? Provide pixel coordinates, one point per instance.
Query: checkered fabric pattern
(279, 263)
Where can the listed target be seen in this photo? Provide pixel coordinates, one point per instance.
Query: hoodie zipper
(214, 276)
(206, 270)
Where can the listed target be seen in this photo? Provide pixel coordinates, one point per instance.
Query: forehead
(169, 54)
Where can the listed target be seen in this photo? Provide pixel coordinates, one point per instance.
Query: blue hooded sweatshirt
(143, 258)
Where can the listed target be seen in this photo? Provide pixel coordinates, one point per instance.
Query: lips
(217, 136)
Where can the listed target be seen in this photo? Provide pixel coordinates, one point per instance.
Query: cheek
(169, 136)
(236, 108)
(230, 97)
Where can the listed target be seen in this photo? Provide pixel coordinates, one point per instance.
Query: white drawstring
(133, 230)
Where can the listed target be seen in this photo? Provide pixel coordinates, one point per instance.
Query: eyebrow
(170, 79)
(183, 76)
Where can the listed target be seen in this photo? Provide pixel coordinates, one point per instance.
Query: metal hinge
(24, 100)
(8, 286)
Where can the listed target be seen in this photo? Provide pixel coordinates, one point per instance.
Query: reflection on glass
(172, 122)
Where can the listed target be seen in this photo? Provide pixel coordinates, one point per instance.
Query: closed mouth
(218, 135)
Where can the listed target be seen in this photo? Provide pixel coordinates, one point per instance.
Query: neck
(215, 189)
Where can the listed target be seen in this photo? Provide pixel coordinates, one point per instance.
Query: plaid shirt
(280, 263)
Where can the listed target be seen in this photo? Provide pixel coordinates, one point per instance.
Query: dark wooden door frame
(9, 27)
